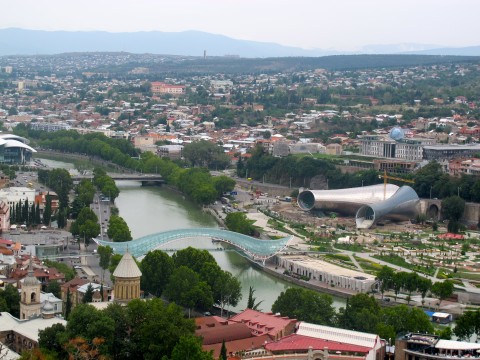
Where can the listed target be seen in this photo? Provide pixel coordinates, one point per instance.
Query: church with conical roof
(127, 279)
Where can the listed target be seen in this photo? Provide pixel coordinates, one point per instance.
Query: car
(207, 313)
(386, 299)
(77, 267)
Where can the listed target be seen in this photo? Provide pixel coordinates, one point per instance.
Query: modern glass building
(14, 149)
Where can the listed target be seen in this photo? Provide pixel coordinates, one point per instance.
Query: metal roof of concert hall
(256, 248)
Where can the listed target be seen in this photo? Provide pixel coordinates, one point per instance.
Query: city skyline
(344, 25)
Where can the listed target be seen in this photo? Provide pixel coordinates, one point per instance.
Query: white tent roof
(456, 345)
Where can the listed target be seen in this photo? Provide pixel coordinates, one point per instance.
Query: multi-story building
(447, 152)
(159, 88)
(405, 149)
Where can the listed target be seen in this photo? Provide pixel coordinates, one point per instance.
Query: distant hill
(187, 43)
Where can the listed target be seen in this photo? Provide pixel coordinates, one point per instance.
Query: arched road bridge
(255, 248)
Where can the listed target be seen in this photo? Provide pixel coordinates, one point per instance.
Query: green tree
(443, 290)
(189, 347)
(465, 325)
(362, 313)
(47, 212)
(54, 288)
(86, 225)
(230, 292)
(155, 328)
(105, 254)
(223, 351)
(118, 229)
(238, 222)
(223, 184)
(68, 304)
(52, 340)
(88, 296)
(12, 299)
(192, 258)
(452, 209)
(156, 267)
(305, 305)
(386, 277)
(186, 289)
(252, 302)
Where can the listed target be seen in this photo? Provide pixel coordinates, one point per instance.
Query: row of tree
(412, 282)
(299, 170)
(467, 325)
(24, 213)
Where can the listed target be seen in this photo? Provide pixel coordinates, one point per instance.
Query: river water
(148, 210)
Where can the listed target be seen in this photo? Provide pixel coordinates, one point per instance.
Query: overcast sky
(323, 24)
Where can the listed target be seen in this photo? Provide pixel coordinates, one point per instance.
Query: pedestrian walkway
(355, 262)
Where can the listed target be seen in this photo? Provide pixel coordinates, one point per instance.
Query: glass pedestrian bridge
(255, 248)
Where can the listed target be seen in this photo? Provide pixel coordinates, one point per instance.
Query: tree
(12, 299)
(223, 184)
(252, 301)
(231, 290)
(443, 290)
(406, 319)
(68, 304)
(465, 325)
(452, 209)
(156, 267)
(189, 347)
(54, 288)
(105, 254)
(47, 212)
(238, 222)
(386, 277)
(192, 258)
(305, 305)
(362, 313)
(89, 323)
(53, 339)
(186, 289)
(118, 229)
(88, 296)
(156, 328)
(86, 225)
(223, 351)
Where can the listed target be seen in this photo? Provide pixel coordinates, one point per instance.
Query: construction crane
(386, 177)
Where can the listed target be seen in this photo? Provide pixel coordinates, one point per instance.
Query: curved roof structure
(255, 248)
(346, 201)
(14, 137)
(9, 143)
(401, 206)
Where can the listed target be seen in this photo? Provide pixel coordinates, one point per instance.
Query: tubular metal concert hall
(14, 149)
(369, 204)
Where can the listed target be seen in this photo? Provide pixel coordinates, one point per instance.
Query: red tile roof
(263, 323)
(296, 342)
(216, 335)
(236, 346)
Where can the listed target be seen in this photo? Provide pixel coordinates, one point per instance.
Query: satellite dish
(397, 134)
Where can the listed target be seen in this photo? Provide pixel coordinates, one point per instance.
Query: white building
(13, 195)
(315, 269)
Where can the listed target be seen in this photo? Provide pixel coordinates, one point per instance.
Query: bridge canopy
(256, 248)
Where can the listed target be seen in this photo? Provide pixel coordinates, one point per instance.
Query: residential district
(401, 123)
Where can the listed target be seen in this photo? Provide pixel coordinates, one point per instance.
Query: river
(148, 210)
